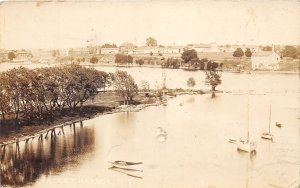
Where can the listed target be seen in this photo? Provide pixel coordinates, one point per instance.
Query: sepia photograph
(150, 93)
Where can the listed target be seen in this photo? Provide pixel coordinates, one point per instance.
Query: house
(148, 50)
(173, 49)
(109, 50)
(127, 48)
(42, 53)
(78, 52)
(265, 60)
(22, 56)
(200, 47)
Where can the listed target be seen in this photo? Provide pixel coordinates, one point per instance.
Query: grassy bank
(101, 103)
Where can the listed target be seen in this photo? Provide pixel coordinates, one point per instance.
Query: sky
(32, 25)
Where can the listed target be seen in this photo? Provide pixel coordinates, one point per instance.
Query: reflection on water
(195, 129)
(176, 143)
(50, 156)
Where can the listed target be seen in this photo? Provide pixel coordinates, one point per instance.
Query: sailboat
(268, 135)
(246, 145)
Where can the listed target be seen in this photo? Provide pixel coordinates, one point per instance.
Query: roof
(201, 46)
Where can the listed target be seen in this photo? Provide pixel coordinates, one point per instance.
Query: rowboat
(126, 165)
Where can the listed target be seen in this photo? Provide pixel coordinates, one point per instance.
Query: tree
(189, 56)
(238, 53)
(123, 59)
(290, 51)
(140, 62)
(209, 65)
(214, 66)
(109, 45)
(171, 63)
(267, 48)
(150, 41)
(191, 82)
(125, 86)
(213, 78)
(37, 93)
(4, 104)
(145, 86)
(11, 55)
(248, 53)
(202, 63)
(94, 60)
(55, 53)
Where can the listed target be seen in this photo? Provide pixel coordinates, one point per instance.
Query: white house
(78, 52)
(201, 47)
(109, 50)
(265, 60)
(127, 48)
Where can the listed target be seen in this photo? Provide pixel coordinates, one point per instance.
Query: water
(196, 152)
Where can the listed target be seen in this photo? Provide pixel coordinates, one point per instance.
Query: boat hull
(246, 146)
(267, 136)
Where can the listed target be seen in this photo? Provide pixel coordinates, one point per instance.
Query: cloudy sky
(32, 25)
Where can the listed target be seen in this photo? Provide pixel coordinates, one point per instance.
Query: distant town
(230, 57)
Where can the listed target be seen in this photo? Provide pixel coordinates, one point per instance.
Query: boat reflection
(49, 156)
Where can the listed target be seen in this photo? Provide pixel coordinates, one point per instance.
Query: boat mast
(248, 136)
(270, 120)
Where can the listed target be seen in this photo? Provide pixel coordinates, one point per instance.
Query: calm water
(196, 152)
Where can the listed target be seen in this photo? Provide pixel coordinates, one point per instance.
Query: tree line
(38, 93)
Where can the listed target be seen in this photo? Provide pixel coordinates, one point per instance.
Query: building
(79, 52)
(109, 50)
(127, 48)
(22, 56)
(265, 60)
(200, 47)
(173, 49)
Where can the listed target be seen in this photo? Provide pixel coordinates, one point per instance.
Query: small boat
(128, 172)
(161, 135)
(232, 140)
(125, 165)
(246, 145)
(268, 135)
(278, 124)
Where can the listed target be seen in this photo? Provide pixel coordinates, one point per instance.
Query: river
(196, 152)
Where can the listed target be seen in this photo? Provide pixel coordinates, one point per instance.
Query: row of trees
(213, 76)
(190, 58)
(123, 59)
(38, 93)
(240, 53)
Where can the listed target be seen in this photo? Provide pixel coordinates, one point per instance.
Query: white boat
(246, 145)
(268, 135)
(161, 135)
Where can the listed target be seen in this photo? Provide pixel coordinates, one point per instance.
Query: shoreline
(111, 106)
(157, 67)
(39, 131)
